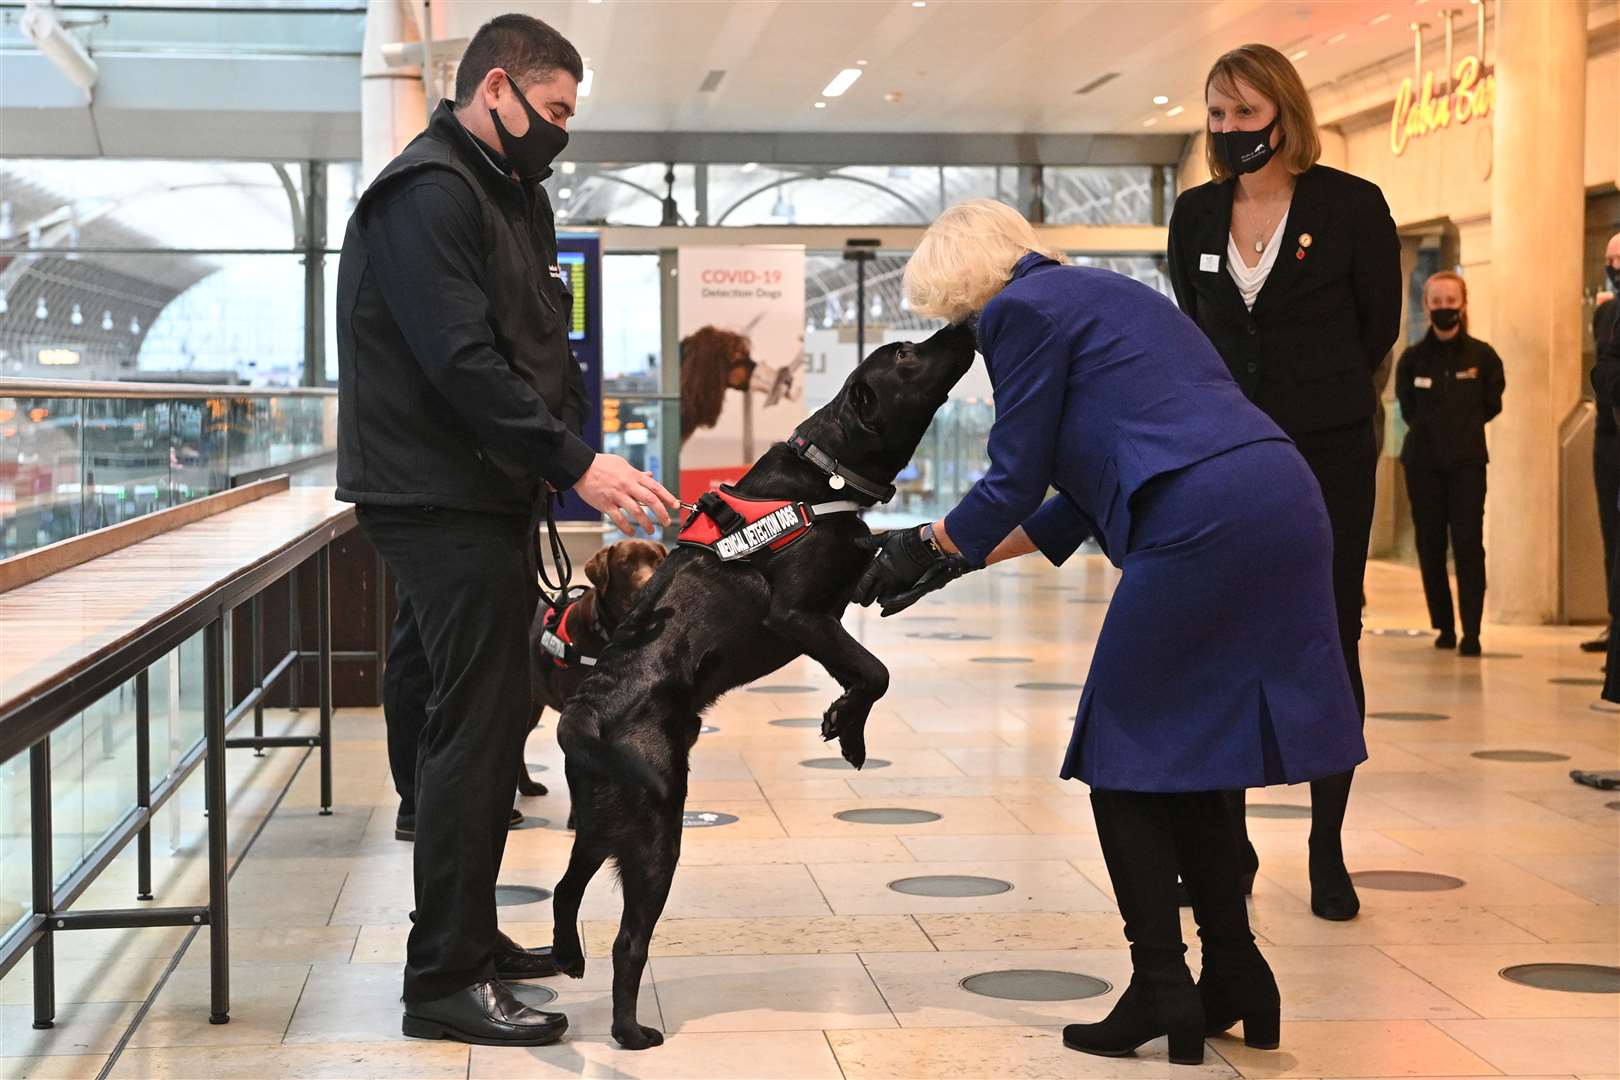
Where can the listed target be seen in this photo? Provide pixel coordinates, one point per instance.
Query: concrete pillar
(1537, 216)
(393, 101)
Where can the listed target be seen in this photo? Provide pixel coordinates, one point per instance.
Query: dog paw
(570, 961)
(845, 720)
(636, 1037)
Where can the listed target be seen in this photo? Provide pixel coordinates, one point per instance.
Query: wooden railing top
(73, 388)
(59, 625)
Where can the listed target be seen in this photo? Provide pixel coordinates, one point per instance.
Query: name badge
(1422, 382)
(1210, 264)
(1468, 373)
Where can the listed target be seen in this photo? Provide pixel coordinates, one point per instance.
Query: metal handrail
(72, 388)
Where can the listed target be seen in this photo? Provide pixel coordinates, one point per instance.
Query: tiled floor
(783, 953)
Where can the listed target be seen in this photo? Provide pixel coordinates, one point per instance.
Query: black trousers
(1345, 463)
(470, 583)
(1450, 501)
(407, 685)
(1606, 478)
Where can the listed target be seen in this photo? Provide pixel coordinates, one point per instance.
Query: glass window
(610, 194)
(121, 203)
(822, 195)
(1099, 194)
(1148, 269)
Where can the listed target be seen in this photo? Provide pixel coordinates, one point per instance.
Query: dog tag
(1209, 263)
(835, 482)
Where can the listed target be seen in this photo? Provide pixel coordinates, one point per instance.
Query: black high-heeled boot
(1236, 990)
(1236, 984)
(1333, 894)
(1137, 833)
(1150, 1008)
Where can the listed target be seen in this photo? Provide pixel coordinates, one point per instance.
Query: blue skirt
(1218, 666)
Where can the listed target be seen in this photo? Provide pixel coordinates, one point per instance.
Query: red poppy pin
(1299, 253)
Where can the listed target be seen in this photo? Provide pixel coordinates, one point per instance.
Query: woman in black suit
(1293, 271)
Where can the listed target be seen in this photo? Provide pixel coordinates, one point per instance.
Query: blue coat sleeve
(1058, 528)
(1028, 359)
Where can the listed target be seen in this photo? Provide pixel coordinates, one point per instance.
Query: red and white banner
(741, 318)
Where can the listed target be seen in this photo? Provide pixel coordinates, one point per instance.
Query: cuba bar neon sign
(1472, 97)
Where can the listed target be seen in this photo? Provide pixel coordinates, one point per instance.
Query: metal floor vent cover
(706, 819)
(517, 895)
(1033, 984)
(1519, 755)
(1406, 881)
(956, 886)
(888, 815)
(1569, 978)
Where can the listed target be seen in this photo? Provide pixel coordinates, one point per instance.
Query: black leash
(554, 593)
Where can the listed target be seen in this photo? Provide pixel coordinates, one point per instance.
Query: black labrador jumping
(712, 620)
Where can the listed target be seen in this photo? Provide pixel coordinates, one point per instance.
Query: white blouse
(1250, 280)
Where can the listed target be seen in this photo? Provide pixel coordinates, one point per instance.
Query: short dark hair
(526, 48)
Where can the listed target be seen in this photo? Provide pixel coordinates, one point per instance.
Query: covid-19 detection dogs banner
(741, 316)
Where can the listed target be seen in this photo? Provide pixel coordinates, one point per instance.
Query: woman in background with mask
(1293, 271)
(1449, 386)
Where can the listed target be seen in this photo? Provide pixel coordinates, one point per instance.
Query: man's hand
(625, 493)
(907, 567)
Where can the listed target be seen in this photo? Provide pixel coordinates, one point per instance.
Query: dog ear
(863, 407)
(597, 570)
(663, 552)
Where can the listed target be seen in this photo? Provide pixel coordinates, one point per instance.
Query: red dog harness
(735, 526)
(558, 641)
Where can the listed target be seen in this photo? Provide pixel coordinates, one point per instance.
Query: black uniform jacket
(456, 386)
(1330, 309)
(1448, 391)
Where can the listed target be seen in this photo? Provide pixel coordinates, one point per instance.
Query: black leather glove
(909, 565)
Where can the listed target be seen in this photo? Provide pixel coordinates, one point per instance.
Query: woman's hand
(909, 565)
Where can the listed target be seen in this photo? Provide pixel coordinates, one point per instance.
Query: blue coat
(1101, 384)
(1218, 664)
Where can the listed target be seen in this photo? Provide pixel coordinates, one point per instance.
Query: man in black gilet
(459, 407)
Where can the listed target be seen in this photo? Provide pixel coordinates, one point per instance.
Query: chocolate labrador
(581, 630)
(778, 570)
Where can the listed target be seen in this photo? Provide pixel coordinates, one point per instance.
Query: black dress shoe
(1469, 645)
(513, 962)
(1597, 644)
(484, 1014)
(405, 824)
(1446, 640)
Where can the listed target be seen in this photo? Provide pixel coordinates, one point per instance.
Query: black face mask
(1613, 274)
(531, 153)
(1246, 151)
(1445, 318)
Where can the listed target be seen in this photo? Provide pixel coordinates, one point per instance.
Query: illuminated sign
(58, 357)
(1472, 95)
(572, 266)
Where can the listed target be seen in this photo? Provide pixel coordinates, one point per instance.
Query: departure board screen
(572, 265)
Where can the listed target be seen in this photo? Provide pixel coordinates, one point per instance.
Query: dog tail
(582, 743)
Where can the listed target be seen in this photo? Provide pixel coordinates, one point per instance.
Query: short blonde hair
(967, 256)
(1275, 79)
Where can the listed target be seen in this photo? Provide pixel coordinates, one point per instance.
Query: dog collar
(734, 526)
(837, 475)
